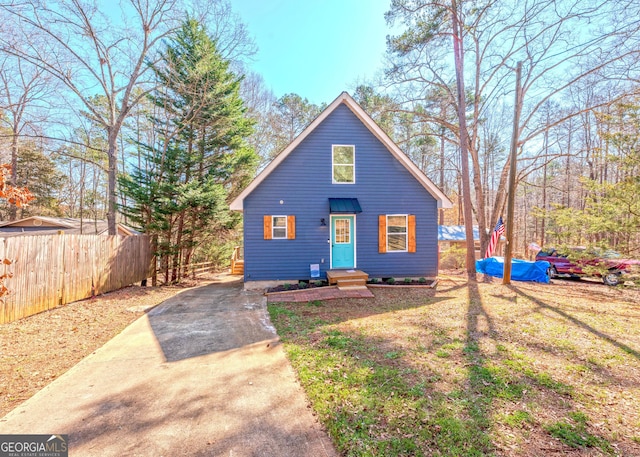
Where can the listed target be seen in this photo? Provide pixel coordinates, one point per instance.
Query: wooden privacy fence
(53, 270)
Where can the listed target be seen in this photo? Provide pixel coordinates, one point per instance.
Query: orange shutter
(291, 227)
(411, 233)
(382, 233)
(268, 233)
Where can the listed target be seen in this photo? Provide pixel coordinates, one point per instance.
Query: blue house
(342, 196)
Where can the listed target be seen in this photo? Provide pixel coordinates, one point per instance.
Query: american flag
(495, 236)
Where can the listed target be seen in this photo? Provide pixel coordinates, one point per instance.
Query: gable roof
(44, 225)
(346, 99)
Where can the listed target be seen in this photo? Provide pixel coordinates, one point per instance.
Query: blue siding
(303, 183)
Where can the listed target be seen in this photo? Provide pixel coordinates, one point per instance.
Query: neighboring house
(341, 196)
(455, 235)
(41, 225)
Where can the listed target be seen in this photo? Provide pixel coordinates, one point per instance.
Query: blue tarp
(521, 270)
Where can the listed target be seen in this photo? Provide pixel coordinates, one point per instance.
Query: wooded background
(157, 122)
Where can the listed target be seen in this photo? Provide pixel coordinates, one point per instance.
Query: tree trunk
(14, 168)
(154, 260)
(480, 208)
(442, 163)
(543, 219)
(458, 52)
(112, 154)
(175, 272)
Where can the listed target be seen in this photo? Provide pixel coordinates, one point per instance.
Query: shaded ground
(473, 368)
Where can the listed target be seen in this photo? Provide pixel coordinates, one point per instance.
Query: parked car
(578, 262)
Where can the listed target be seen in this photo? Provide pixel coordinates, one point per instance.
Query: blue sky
(316, 48)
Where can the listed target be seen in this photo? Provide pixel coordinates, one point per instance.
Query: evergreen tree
(200, 159)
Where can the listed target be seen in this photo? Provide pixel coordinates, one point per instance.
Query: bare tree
(23, 91)
(91, 54)
(562, 43)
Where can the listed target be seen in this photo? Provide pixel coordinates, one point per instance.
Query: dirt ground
(36, 350)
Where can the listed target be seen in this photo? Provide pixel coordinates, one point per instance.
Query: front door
(343, 243)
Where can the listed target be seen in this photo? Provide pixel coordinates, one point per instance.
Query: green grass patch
(455, 345)
(518, 419)
(370, 403)
(495, 382)
(457, 371)
(574, 433)
(523, 365)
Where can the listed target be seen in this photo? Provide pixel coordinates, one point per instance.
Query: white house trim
(441, 198)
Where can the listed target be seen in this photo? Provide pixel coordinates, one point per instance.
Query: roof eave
(442, 200)
(237, 203)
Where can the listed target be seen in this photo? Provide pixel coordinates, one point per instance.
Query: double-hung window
(397, 233)
(343, 164)
(279, 228)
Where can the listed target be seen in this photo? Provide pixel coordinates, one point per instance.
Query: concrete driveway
(202, 374)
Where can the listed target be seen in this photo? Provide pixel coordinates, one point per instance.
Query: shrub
(453, 257)
(422, 280)
(286, 286)
(318, 283)
(303, 285)
(391, 281)
(407, 280)
(374, 280)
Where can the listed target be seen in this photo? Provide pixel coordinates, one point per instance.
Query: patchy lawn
(473, 369)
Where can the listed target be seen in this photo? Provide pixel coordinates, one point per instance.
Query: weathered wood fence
(52, 270)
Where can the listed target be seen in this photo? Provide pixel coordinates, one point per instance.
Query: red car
(576, 262)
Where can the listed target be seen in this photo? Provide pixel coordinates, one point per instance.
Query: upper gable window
(344, 164)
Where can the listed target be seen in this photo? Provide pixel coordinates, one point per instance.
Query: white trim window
(279, 227)
(343, 164)
(397, 233)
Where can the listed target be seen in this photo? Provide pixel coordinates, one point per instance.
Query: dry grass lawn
(473, 368)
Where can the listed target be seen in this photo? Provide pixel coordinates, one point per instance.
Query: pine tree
(201, 158)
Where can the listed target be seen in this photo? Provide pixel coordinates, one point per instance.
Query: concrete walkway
(202, 374)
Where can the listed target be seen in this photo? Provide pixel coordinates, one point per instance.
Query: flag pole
(506, 277)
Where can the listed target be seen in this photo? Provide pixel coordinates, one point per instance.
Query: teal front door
(343, 242)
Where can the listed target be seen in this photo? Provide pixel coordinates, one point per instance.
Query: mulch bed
(304, 285)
